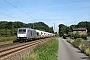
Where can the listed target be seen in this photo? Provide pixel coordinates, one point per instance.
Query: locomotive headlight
(17, 38)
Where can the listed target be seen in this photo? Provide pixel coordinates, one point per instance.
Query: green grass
(7, 40)
(46, 51)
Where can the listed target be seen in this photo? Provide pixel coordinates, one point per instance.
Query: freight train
(27, 34)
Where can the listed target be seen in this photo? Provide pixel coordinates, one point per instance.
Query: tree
(83, 24)
(51, 30)
(3, 24)
(63, 29)
(10, 28)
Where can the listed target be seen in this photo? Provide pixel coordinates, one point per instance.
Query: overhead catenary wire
(25, 7)
(21, 4)
(19, 9)
(6, 10)
(8, 15)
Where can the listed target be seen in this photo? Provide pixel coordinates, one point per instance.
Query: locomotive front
(22, 34)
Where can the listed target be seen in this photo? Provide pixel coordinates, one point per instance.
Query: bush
(8, 32)
(70, 34)
(77, 42)
(64, 36)
(89, 34)
(84, 36)
(77, 35)
(81, 44)
(4, 39)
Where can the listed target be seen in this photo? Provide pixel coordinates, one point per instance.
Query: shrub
(84, 36)
(8, 32)
(83, 45)
(77, 35)
(70, 34)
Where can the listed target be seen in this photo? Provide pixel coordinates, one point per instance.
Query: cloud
(80, 4)
(63, 5)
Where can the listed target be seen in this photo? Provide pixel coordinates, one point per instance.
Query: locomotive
(27, 34)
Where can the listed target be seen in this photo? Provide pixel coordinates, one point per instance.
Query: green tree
(3, 24)
(84, 24)
(10, 28)
(64, 30)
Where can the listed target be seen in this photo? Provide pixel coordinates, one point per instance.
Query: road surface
(68, 52)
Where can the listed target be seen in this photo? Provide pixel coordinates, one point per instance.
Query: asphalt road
(68, 52)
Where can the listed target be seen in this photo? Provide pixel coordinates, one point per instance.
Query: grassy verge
(7, 40)
(83, 45)
(46, 51)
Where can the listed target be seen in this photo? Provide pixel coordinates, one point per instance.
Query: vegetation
(83, 45)
(7, 40)
(77, 39)
(46, 51)
(77, 35)
(65, 30)
(10, 28)
(8, 32)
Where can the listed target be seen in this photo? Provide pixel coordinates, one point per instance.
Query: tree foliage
(63, 29)
(10, 28)
(82, 25)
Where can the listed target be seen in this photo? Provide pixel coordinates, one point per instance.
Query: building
(80, 30)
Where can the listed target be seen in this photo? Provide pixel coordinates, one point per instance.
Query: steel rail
(14, 49)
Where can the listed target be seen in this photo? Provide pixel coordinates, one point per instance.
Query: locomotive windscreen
(22, 31)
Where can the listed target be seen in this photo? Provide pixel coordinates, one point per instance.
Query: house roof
(79, 29)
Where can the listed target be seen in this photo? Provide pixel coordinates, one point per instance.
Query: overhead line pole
(54, 27)
(33, 25)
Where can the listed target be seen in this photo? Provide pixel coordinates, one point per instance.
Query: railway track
(6, 52)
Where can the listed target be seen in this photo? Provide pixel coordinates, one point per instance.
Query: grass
(46, 51)
(83, 45)
(7, 40)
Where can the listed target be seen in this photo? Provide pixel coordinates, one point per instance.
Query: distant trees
(41, 26)
(65, 30)
(10, 28)
(84, 24)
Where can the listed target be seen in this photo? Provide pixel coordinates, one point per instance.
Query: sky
(50, 12)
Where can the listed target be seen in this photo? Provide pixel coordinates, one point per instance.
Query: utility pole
(54, 27)
(33, 25)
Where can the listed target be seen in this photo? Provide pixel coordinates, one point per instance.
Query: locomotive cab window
(22, 31)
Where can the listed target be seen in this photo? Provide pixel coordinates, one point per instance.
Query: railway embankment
(81, 44)
(46, 51)
(19, 51)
